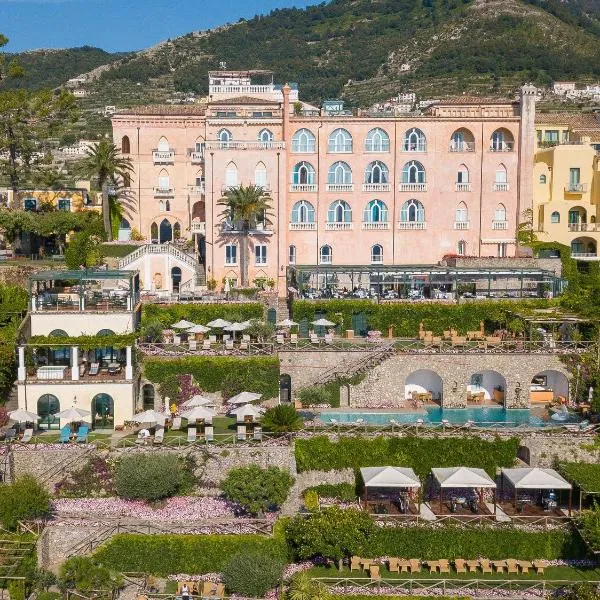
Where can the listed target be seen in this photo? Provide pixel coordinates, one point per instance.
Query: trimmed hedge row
(260, 374)
(406, 317)
(321, 454)
(586, 476)
(162, 555)
(201, 313)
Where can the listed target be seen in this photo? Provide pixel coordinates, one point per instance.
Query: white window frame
(231, 257)
(260, 254)
(325, 259)
(377, 140)
(377, 259)
(304, 141)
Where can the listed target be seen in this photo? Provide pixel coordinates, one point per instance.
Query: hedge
(346, 492)
(586, 476)
(405, 317)
(201, 313)
(162, 555)
(261, 374)
(321, 454)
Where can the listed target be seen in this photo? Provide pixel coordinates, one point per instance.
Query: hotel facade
(347, 187)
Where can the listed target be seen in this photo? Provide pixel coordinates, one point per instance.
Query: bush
(252, 574)
(152, 332)
(282, 419)
(346, 492)
(314, 395)
(201, 313)
(589, 525)
(23, 500)
(83, 574)
(161, 555)
(259, 374)
(311, 500)
(149, 476)
(257, 490)
(322, 454)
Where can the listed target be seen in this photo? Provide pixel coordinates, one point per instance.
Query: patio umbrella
(23, 416)
(244, 398)
(73, 415)
(149, 416)
(198, 329)
(218, 323)
(198, 400)
(247, 410)
(235, 327)
(199, 412)
(183, 324)
(287, 323)
(323, 323)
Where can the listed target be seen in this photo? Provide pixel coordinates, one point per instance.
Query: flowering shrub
(93, 479)
(187, 388)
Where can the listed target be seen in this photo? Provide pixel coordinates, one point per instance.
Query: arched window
(377, 253)
(325, 255)
(165, 232)
(265, 136)
(260, 175)
(164, 181)
(462, 140)
(303, 141)
(376, 212)
(58, 333)
(303, 174)
(377, 172)
(125, 145)
(103, 410)
(47, 406)
(303, 212)
(340, 140)
(462, 175)
(154, 233)
(292, 255)
(339, 212)
(501, 141)
(461, 248)
(231, 175)
(339, 173)
(555, 217)
(413, 172)
(377, 140)
(500, 174)
(163, 145)
(415, 141)
(542, 179)
(161, 206)
(224, 136)
(412, 212)
(462, 213)
(500, 213)
(176, 231)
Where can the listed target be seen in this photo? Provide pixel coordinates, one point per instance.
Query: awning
(534, 478)
(463, 477)
(389, 477)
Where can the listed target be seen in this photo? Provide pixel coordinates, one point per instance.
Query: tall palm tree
(104, 164)
(244, 207)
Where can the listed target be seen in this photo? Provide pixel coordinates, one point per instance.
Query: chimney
(286, 110)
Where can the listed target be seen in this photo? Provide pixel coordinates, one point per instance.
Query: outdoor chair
(444, 565)
(393, 565)
(499, 565)
(191, 434)
(486, 567)
(9, 435)
(329, 338)
(512, 565)
(206, 345)
(243, 345)
(82, 434)
(159, 435)
(209, 433)
(294, 338)
(355, 563)
(314, 339)
(433, 565)
(374, 572)
(415, 565)
(94, 368)
(473, 565)
(279, 339)
(460, 565)
(241, 433)
(65, 435)
(193, 344)
(27, 435)
(257, 433)
(176, 341)
(229, 344)
(226, 337)
(176, 426)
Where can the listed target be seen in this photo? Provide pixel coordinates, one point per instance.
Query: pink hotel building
(347, 188)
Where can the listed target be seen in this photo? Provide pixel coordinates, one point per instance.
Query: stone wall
(545, 450)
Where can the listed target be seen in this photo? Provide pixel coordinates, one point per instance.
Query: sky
(119, 25)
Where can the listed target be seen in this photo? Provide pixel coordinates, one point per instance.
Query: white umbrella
(198, 401)
(235, 327)
(23, 416)
(323, 323)
(247, 410)
(183, 324)
(73, 415)
(287, 323)
(149, 416)
(199, 412)
(198, 329)
(244, 398)
(218, 323)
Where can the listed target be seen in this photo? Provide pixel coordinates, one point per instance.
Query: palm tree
(244, 207)
(282, 418)
(104, 164)
(303, 587)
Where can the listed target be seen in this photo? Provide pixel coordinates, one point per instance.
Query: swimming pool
(488, 416)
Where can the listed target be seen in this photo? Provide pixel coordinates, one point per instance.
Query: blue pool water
(482, 416)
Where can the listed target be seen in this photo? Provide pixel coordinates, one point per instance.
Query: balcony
(340, 187)
(164, 192)
(303, 187)
(245, 145)
(461, 225)
(338, 226)
(579, 227)
(198, 227)
(412, 225)
(500, 186)
(197, 190)
(462, 147)
(376, 187)
(411, 147)
(412, 187)
(303, 226)
(576, 188)
(196, 158)
(380, 226)
(584, 255)
(163, 158)
(463, 187)
(504, 147)
(499, 225)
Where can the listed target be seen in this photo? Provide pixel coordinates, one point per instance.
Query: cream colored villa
(347, 187)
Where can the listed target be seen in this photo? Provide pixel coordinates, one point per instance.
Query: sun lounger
(374, 572)
(176, 340)
(512, 565)
(245, 338)
(525, 566)
(279, 339)
(27, 435)
(82, 434)
(65, 435)
(241, 433)
(415, 565)
(473, 565)
(229, 344)
(9, 435)
(393, 565)
(355, 563)
(159, 435)
(191, 434)
(460, 565)
(94, 368)
(226, 337)
(294, 338)
(209, 433)
(444, 566)
(257, 433)
(539, 566)
(486, 567)
(193, 345)
(206, 345)
(176, 426)
(212, 339)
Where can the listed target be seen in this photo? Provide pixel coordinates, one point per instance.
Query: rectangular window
(199, 181)
(551, 135)
(574, 177)
(260, 178)
(292, 255)
(231, 177)
(231, 254)
(164, 182)
(260, 253)
(502, 250)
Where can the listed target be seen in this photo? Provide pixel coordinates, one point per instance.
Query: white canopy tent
(402, 480)
(463, 477)
(389, 477)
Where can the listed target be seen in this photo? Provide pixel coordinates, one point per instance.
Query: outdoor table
(539, 566)
(433, 565)
(499, 565)
(366, 564)
(404, 565)
(473, 564)
(525, 566)
(114, 367)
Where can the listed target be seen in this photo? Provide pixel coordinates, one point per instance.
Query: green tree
(83, 574)
(84, 250)
(245, 206)
(252, 574)
(257, 490)
(23, 500)
(282, 419)
(106, 167)
(149, 477)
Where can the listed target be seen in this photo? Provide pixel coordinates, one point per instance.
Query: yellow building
(566, 181)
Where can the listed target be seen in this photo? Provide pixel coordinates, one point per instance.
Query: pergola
(396, 478)
(463, 477)
(535, 478)
(548, 318)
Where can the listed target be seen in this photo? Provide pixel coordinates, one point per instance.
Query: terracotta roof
(159, 110)
(243, 100)
(470, 100)
(571, 119)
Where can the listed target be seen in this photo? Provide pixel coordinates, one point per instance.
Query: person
(185, 592)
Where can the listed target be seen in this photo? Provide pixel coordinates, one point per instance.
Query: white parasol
(323, 323)
(198, 329)
(149, 416)
(199, 412)
(23, 416)
(218, 323)
(183, 324)
(73, 415)
(198, 400)
(244, 398)
(287, 323)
